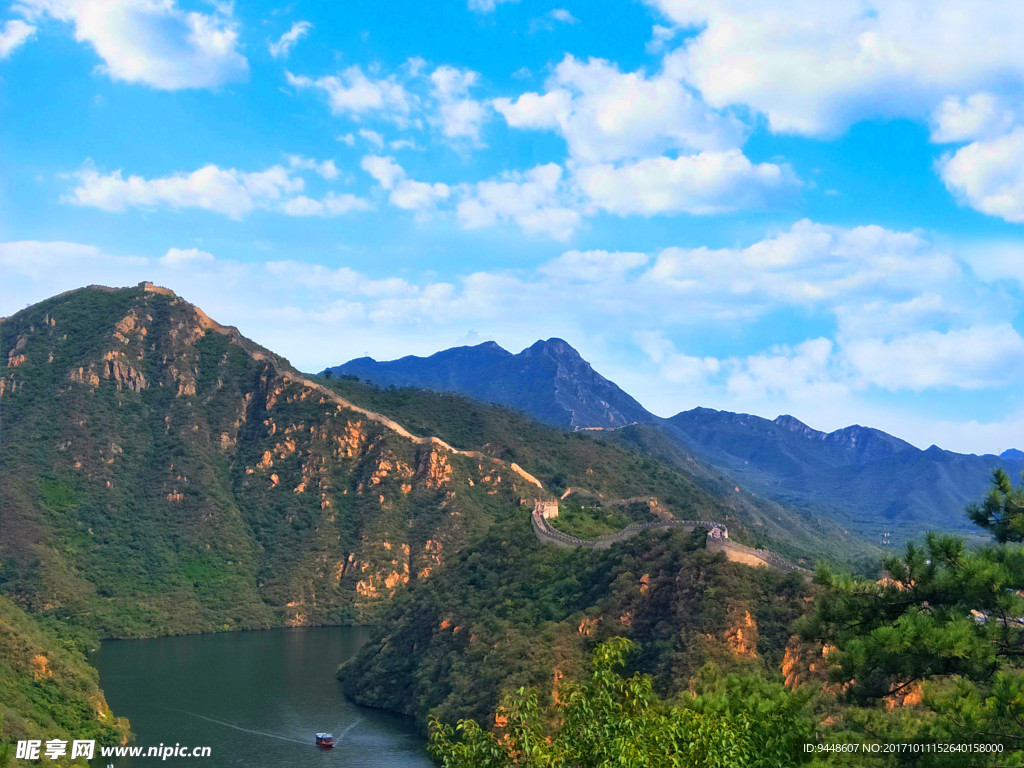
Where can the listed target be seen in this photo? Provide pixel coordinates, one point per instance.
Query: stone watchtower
(546, 509)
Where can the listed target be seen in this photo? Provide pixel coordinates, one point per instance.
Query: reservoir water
(255, 698)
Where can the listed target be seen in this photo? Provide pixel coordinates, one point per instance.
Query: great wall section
(717, 540)
(718, 536)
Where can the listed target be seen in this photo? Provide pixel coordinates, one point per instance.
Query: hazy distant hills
(549, 380)
(882, 482)
(872, 480)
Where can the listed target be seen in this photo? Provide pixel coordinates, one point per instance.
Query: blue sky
(815, 211)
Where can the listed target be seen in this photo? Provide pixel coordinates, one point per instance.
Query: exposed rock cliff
(163, 473)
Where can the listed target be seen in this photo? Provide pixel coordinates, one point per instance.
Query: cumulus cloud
(978, 116)
(282, 47)
(324, 168)
(549, 20)
(405, 193)
(372, 137)
(989, 175)
(535, 200)
(153, 42)
(226, 191)
(14, 33)
(978, 357)
(594, 266)
(487, 6)
(332, 204)
(183, 257)
(810, 264)
(459, 116)
(605, 114)
(354, 94)
(702, 184)
(815, 68)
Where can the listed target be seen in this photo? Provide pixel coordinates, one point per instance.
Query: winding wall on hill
(287, 374)
(739, 553)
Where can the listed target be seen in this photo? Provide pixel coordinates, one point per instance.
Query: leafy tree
(946, 622)
(1002, 512)
(608, 720)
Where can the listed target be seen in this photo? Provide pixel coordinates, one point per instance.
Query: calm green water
(255, 698)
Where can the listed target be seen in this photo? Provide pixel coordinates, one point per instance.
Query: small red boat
(325, 740)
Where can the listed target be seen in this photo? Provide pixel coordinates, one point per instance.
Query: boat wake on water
(350, 726)
(240, 728)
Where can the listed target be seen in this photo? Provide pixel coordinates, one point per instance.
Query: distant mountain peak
(793, 424)
(1012, 453)
(491, 345)
(554, 347)
(549, 380)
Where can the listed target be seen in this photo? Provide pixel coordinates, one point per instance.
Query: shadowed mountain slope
(868, 480)
(548, 380)
(163, 474)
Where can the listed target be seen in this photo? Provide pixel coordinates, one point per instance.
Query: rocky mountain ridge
(164, 474)
(549, 380)
(870, 480)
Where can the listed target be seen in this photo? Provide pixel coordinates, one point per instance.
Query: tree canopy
(946, 622)
(734, 721)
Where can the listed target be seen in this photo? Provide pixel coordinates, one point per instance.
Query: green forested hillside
(625, 463)
(162, 474)
(511, 612)
(47, 689)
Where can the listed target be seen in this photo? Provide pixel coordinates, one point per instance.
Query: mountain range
(548, 380)
(163, 474)
(878, 484)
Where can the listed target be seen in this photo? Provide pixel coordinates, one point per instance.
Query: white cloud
(324, 168)
(183, 257)
(332, 204)
(535, 200)
(486, 6)
(996, 260)
(594, 266)
(605, 114)
(814, 68)
(282, 47)
(547, 22)
(459, 116)
(413, 195)
(42, 260)
(14, 33)
(989, 175)
(675, 366)
(810, 265)
(970, 358)
(979, 116)
(372, 137)
(153, 42)
(227, 191)
(384, 170)
(354, 94)
(661, 36)
(549, 111)
(702, 184)
(801, 372)
(405, 193)
(823, 370)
